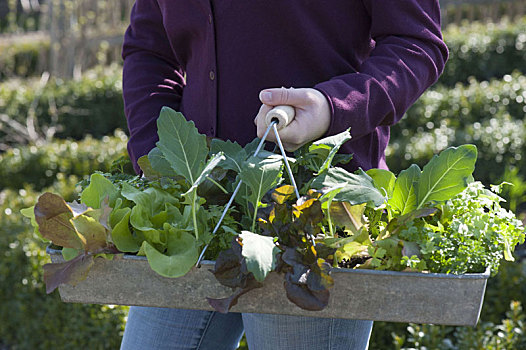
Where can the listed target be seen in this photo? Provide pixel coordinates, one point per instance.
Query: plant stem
(194, 215)
(254, 218)
(329, 220)
(218, 185)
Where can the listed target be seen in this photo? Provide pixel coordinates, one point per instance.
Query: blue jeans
(161, 328)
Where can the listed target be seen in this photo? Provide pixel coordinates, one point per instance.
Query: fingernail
(265, 96)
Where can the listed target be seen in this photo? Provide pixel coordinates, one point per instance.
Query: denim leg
(265, 332)
(162, 328)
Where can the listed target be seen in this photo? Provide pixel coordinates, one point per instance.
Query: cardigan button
(210, 18)
(212, 75)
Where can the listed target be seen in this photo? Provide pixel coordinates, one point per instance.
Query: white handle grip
(283, 114)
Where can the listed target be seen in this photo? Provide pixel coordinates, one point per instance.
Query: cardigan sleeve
(408, 56)
(152, 77)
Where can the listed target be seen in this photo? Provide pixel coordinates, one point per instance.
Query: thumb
(282, 96)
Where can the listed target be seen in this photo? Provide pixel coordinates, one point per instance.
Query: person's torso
(232, 49)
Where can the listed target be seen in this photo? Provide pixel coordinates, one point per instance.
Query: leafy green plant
(368, 219)
(446, 224)
(160, 220)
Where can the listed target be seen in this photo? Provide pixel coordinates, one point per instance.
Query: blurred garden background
(61, 118)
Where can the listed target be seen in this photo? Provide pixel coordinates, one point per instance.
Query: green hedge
(502, 323)
(14, 18)
(490, 115)
(29, 318)
(42, 166)
(480, 50)
(92, 105)
(23, 59)
(484, 50)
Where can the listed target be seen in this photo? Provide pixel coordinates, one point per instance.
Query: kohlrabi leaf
(403, 199)
(328, 196)
(446, 175)
(181, 144)
(326, 148)
(260, 254)
(205, 234)
(235, 155)
(384, 180)
(342, 158)
(350, 217)
(99, 188)
(53, 216)
(210, 165)
(242, 198)
(147, 169)
(326, 203)
(260, 176)
(181, 254)
(319, 155)
(357, 188)
(250, 148)
(156, 164)
(399, 222)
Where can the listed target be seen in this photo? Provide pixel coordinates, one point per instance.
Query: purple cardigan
(209, 59)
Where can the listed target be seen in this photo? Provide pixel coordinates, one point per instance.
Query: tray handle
(282, 114)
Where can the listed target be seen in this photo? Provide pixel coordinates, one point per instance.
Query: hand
(312, 120)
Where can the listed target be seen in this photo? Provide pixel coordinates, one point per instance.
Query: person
(356, 64)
